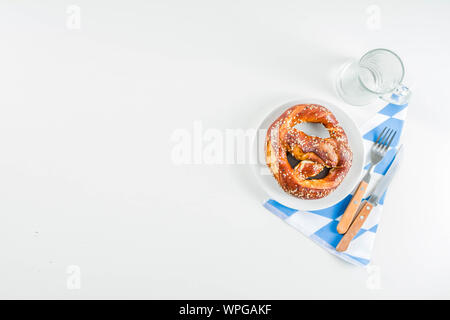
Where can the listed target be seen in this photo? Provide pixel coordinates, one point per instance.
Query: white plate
(272, 187)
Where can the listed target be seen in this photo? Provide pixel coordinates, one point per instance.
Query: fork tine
(390, 141)
(383, 139)
(386, 139)
(380, 135)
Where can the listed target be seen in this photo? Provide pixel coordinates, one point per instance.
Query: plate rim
(257, 165)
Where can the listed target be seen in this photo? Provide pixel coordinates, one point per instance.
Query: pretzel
(315, 154)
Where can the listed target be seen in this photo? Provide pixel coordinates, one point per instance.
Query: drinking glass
(378, 74)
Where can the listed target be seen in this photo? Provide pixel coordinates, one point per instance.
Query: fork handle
(352, 207)
(355, 227)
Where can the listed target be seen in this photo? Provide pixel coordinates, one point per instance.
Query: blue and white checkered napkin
(320, 225)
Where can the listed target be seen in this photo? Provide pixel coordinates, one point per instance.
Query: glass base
(349, 86)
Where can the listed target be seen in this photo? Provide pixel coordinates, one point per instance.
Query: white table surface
(87, 180)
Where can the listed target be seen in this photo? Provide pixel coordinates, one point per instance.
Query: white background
(87, 178)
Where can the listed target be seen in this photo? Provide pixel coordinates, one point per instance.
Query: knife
(370, 203)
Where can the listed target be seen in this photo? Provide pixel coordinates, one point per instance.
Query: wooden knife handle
(354, 228)
(352, 207)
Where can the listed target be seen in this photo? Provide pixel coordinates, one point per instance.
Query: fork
(377, 152)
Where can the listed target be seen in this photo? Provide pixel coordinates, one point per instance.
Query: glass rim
(395, 55)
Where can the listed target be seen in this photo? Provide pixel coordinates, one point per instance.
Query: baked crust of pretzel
(315, 154)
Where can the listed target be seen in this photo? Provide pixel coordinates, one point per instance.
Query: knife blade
(384, 182)
(372, 202)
